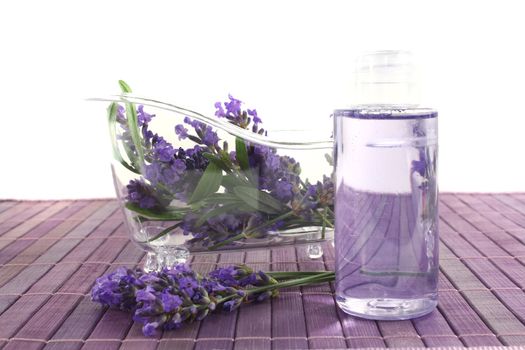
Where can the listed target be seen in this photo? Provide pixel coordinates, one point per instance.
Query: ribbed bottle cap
(387, 77)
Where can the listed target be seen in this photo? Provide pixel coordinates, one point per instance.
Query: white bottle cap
(387, 78)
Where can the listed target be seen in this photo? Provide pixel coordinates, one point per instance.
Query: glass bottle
(386, 202)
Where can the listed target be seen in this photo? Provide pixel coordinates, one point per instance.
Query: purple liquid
(386, 235)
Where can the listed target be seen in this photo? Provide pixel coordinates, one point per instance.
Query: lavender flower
(283, 190)
(253, 113)
(209, 137)
(235, 276)
(181, 131)
(325, 191)
(419, 166)
(233, 107)
(233, 112)
(118, 289)
(220, 111)
(193, 158)
(143, 117)
(166, 299)
(121, 116)
(277, 174)
(142, 194)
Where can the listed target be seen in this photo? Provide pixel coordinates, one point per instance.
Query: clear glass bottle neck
(386, 94)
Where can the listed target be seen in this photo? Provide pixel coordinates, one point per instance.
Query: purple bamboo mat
(52, 251)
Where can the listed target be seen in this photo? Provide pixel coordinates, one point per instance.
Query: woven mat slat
(4, 205)
(20, 218)
(254, 324)
(51, 252)
(220, 327)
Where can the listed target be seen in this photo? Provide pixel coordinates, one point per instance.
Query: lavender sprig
(169, 298)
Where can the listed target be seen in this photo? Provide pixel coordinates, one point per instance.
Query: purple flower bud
(233, 156)
(220, 111)
(283, 191)
(149, 329)
(419, 166)
(145, 295)
(264, 277)
(263, 296)
(170, 302)
(253, 113)
(173, 323)
(210, 137)
(121, 117)
(142, 194)
(311, 191)
(233, 107)
(179, 166)
(248, 280)
(181, 131)
(231, 305)
(202, 314)
(143, 117)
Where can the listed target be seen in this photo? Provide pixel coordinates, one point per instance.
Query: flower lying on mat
(168, 298)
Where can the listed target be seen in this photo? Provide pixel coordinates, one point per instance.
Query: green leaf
(208, 184)
(226, 208)
(112, 123)
(217, 161)
(244, 163)
(329, 159)
(258, 200)
(242, 154)
(124, 86)
(222, 198)
(195, 139)
(133, 127)
(168, 215)
(232, 180)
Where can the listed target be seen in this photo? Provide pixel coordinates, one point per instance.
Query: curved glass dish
(192, 183)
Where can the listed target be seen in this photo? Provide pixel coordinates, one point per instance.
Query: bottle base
(387, 308)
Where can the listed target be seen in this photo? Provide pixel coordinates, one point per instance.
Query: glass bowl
(189, 183)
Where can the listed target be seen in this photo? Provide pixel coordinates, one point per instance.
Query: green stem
(162, 233)
(168, 215)
(325, 219)
(317, 277)
(323, 231)
(292, 274)
(144, 219)
(245, 234)
(273, 221)
(228, 241)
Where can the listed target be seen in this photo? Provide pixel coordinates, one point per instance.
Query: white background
(291, 60)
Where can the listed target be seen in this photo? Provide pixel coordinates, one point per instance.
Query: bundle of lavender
(168, 298)
(212, 192)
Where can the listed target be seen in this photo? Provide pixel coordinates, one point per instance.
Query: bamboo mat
(52, 251)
